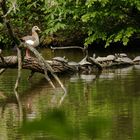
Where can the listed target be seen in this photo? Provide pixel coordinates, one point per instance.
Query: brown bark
(34, 65)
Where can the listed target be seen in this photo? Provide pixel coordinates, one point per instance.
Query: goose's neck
(34, 33)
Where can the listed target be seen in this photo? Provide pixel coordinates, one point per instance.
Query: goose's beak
(39, 30)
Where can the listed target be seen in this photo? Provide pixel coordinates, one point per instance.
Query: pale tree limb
(2, 70)
(17, 82)
(41, 60)
(19, 71)
(62, 99)
(46, 67)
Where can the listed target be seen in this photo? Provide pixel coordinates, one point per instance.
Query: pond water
(96, 107)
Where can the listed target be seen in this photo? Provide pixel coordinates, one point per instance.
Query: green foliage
(96, 20)
(111, 21)
(55, 125)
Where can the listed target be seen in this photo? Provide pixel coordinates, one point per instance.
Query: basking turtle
(127, 60)
(124, 60)
(136, 60)
(110, 57)
(123, 55)
(95, 62)
(60, 59)
(101, 59)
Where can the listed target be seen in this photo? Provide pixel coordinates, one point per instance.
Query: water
(98, 107)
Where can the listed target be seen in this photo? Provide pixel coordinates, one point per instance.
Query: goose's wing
(28, 38)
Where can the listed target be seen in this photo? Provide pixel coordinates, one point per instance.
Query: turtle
(100, 59)
(136, 60)
(110, 57)
(127, 60)
(124, 60)
(123, 55)
(60, 59)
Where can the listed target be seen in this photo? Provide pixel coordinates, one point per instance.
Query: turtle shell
(101, 59)
(110, 57)
(136, 59)
(123, 55)
(125, 60)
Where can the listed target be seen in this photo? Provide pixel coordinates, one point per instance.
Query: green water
(96, 107)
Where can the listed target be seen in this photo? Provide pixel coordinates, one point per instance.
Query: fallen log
(34, 65)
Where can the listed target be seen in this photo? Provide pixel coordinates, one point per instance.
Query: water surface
(99, 107)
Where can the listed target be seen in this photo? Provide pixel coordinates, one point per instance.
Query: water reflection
(85, 77)
(10, 122)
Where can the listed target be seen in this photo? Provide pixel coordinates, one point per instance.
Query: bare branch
(2, 70)
(46, 67)
(19, 71)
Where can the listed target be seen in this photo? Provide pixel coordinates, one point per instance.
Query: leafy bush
(86, 20)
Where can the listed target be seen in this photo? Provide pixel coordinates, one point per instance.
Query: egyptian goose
(32, 40)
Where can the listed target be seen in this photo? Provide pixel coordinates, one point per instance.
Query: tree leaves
(107, 20)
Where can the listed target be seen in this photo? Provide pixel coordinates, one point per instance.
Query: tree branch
(19, 71)
(7, 23)
(46, 67)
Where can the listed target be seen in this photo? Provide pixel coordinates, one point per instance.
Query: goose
(31, 40)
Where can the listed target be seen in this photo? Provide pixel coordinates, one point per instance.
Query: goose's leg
(28, 53)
